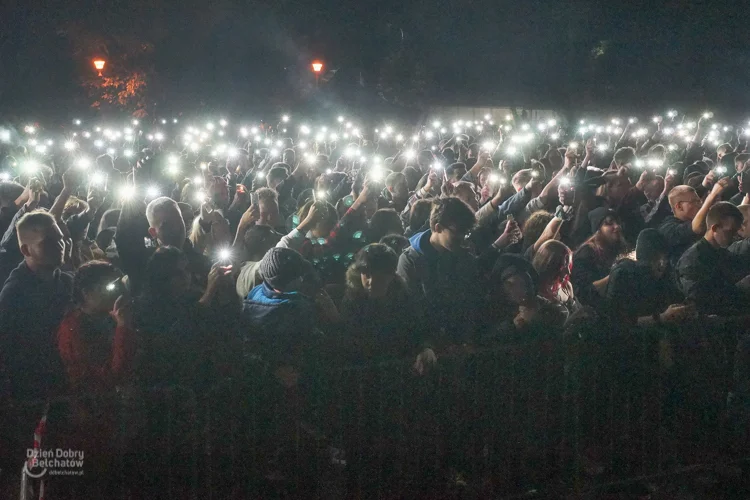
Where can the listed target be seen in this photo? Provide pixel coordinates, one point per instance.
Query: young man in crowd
(708, 273)
(441, 273)
(32, 304)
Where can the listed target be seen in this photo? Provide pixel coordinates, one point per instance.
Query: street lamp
(317, 67)
(99, 65)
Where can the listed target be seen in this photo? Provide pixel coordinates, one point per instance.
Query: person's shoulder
(690, 256)
(583, 252)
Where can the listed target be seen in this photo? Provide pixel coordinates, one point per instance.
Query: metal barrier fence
(548, 418)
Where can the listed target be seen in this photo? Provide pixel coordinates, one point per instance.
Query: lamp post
(99, 65)
(317, 68)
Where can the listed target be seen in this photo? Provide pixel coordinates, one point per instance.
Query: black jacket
(707, 276)
(30, 311)
(445, 285)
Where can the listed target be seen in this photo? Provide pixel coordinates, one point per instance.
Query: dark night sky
(227, 53)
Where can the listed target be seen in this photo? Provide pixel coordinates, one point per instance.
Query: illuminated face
(611, 230)
(45, 247)
(170, 228)
(688, 207)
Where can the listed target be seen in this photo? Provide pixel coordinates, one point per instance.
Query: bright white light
(99, 143)
(508, 117)
(573, 145)
(602, 147)
(159, 136)
(83, 163)
(551, 123)
(111, 151)
(672, 147)
(429, 134)
(488, 146)
(632, 120)
(29, 166)
(708, 114)
(400, 137)
(512, 150)
(341, 119)
(321, 195)
(127, 153)
(30, 129)
(174, 120)
(311, 159)
(657, 119)
(223, 122)
(555, 136)
(5, 135)
(542, 127)
(127, 192)
(97, 179)
(672, 114)
(655, 163)
(77, 122)
(376, 174)
(671, 171)
(210, 126)
(4, 176)
(304, 130)
(135, 122)
(525, 126)
(41, 149)
(243, 132)
(152, 192)
(285, 118)
(197, 180)
(225, 254)
(70, 145)
(260, 175)
(221, 133)
(639, 163)
(200, 196)
(410, 154)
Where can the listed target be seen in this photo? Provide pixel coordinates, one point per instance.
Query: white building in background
(496, 113)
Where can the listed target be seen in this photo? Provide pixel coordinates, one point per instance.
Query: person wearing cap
(641, 291)
(280, 313)
(593, 260)
(513, 310)
(688, 220)
(708, 273)
(258, 240)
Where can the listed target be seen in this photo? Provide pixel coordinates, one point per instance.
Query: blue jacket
(279, 325)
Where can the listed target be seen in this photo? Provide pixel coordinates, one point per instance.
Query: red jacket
(82, 367)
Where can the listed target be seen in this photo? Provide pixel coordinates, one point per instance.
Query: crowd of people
(160, 254)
